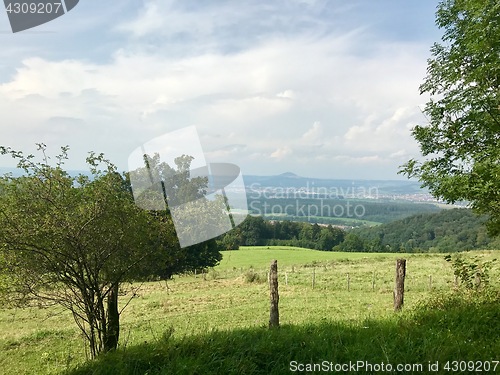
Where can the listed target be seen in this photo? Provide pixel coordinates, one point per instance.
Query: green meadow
(334, 307)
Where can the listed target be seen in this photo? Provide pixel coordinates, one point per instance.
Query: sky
(320, 88)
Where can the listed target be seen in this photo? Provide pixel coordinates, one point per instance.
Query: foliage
(352, 243)
(177, 187)
(230, 240)
(447, 231)
(199, 257)
(71, 241)
(473, 274)
(74, 240)
(254, 230)
(461, 143)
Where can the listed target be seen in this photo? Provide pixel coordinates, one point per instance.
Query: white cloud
(281, 153)
(288, 94)
(150, 19)
(291, 86)
(314, 133)
(385, 132)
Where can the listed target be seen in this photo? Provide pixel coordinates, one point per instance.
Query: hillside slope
(446, 231)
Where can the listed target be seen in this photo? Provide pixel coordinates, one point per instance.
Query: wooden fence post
(314, 277)
(399, 289)
(348, 282)
(274, 317)
(286, 278)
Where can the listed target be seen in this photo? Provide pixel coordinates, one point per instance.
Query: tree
(72, 241)
(330, 237)
(230, 240)
(306, 233)
(352, 243)
(252, 231)
(75, 241)
(461, 143)
(177, 187)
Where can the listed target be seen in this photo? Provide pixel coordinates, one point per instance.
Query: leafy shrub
(473, 273)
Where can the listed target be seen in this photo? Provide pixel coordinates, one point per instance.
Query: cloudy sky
(321, 88)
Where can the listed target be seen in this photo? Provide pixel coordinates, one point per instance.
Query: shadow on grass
(449, 328)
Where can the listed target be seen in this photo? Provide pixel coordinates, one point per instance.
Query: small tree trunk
(274, 317)
(399, 289)
(113, 323)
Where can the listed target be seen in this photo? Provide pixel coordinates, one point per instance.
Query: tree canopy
(75, 240)
(451, 230)
(71, 240)
(461, 142)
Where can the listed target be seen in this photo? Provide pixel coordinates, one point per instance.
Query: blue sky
(320, 88)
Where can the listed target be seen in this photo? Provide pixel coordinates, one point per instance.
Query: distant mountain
(288, 174)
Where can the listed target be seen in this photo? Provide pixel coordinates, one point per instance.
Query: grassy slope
(219, 322)
(261, 256)
(414, 340)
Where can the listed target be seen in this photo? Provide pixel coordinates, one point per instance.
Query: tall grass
(217, 324)
(445, 329)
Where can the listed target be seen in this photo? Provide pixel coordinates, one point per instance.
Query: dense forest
(257, 231)
(445, 231)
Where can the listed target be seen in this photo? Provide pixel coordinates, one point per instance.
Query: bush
(253, 277)
(214, 274)
(473, 273)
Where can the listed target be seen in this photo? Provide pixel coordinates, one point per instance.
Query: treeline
(255, 231)
(446, 231)
(452, 230)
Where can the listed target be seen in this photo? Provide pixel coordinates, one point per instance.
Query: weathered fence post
(348, 282)
(314, 278)
(274, 317)
(286, 278)
(399, 289)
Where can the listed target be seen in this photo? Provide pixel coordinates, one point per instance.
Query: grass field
(206, 323)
